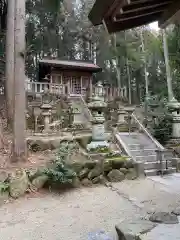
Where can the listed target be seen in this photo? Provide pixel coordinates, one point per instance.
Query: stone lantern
(46, 110)
(121, 115)
(97, 107)
(99, 91)
(37, 111)
(129, 111)
(174, 108)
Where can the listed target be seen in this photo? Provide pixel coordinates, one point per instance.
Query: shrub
(60, 173)
(163, 129)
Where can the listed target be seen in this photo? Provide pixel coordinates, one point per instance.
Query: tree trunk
(19, 144)
(9, 72)
(118, 69)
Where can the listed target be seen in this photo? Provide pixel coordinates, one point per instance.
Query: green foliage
(4, 187)
(99, 149)
(60, 173)
(163, 130)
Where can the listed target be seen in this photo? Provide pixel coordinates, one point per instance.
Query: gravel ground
(65, 217)
(72, 215)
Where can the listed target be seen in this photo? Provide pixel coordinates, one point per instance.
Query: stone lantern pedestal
(46, 112)
(77, 116)
(174, 108)
(129, 111)
(97, 107)
(121, 115)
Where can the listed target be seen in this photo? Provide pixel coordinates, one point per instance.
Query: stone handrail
(87, 112)
(141, 127)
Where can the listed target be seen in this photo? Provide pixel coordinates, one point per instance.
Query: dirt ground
(72, 215)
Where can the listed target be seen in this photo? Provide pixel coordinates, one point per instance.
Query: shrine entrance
(76, 85)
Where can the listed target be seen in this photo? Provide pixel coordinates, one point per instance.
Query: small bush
(4, 187)
(60, 173)
(163, 130)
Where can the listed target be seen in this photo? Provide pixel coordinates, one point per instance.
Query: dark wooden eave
(120, 15)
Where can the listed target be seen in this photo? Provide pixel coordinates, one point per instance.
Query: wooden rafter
(171, 14)
(143, 5)
(142, 12)
(128, 24)
(120, 15)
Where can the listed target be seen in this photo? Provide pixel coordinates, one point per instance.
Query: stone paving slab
(163, 232)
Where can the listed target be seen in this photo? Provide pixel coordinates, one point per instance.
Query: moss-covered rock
(76, 183)
(90, 164)
(115, 176)
(83, 173)
(95, 172)
(40, 181)
(123, 170)
(129, 163)
(131, 174)
(76, 166)
(118, 163)
(19, 183)
(84, 141)
(107, 165)
(86, 182)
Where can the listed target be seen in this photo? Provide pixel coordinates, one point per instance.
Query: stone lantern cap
(173, 105)
(46, 106)
(97, 105)
(130, 110)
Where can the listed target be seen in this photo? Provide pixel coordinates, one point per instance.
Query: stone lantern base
(97, 144)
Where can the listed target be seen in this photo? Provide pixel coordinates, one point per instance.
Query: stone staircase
(79, 103)
(141, 148)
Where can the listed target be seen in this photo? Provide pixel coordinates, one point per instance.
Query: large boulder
(124, 170)
(131, 174)
(95, 172)
(40, 181)
(19, 183)
(118, 163)
(76, 166)
(76, 182)
(39, 145)
(129, 163)
(115, 176)
(107, 166)
(164, 217)
(83, 173)
(90, 164)
(133, 230)
(176, 211)
(86, 182)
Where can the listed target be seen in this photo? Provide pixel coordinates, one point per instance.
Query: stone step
(154, 172)
(140, 146)
(150, 158)
(155, 165)
(143, 152)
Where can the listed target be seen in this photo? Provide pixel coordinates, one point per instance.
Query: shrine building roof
(73, 65)
(119, 15)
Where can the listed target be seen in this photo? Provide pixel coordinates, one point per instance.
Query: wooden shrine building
(119, 15)
(64, 77)
(70, 78)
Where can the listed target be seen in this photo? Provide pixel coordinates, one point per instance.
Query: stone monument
(97, 107)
